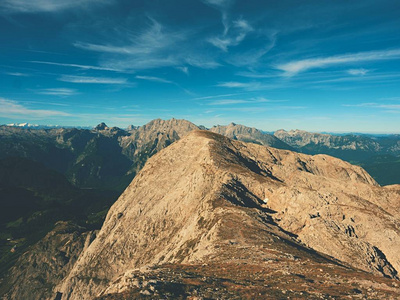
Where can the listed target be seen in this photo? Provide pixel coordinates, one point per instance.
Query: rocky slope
(143, 142)
(208, 210)
(47, 263)
(379, 155)
(250, 135)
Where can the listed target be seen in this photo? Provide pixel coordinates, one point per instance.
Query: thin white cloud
(233, 84)
(389, 106)
(12, 108)
(90, 79)
(375, 105)
(255, 75)
(155, 79)
(227, 102)
(391, 98)
(84, 67)
(17, 74)
(242, 101)
(45, 102)
(57, 92)
(33, 6)
(219, 3)
(147, 42)
(232, 37)
(184, 70)
(221, 43)
(216, 96)
(151, 48)
(295, 67)
(251, 57)
(377, 78)
(357, 72)
(202, 62)
(251, 86)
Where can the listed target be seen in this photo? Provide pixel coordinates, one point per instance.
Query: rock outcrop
(208, 211)
(47, 263)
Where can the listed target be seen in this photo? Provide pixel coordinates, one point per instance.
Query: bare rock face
(145, 141)
(37, 271)
(210, 216)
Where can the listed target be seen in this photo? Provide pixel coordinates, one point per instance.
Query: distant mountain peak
(101, 126)
(132, 127)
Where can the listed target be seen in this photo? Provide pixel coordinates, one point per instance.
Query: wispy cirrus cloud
(162, 80)
(154, 47)
(244, 101)
(249, 86)
(18, 74)
(57, 92)
(13, 108)
(223, 6)
(28, 6)
(298, 66)
(94, 80)
(357, 72)
(154, 79)
(233, 36)
(215, 96)
(234, 84)
(251, 57)
(220, 3)
(375, 105)
(184, 70)
(227, 102)
(150, 41)
(83, 67)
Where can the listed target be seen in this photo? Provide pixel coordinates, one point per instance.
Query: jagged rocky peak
(132, 127)
(249, 134)
(177, 124)
(159, 133)
(208, 208)
(101, 126)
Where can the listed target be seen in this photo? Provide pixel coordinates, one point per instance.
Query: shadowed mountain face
(208, 211)
(33, 198)
(379, 155)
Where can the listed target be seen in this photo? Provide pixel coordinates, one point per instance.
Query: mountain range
(224, 204)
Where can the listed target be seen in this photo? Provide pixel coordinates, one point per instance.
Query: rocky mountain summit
(211, 216)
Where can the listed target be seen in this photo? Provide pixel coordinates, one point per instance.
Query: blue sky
(312, 65)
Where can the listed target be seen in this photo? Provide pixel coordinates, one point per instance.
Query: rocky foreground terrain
(209, 217)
